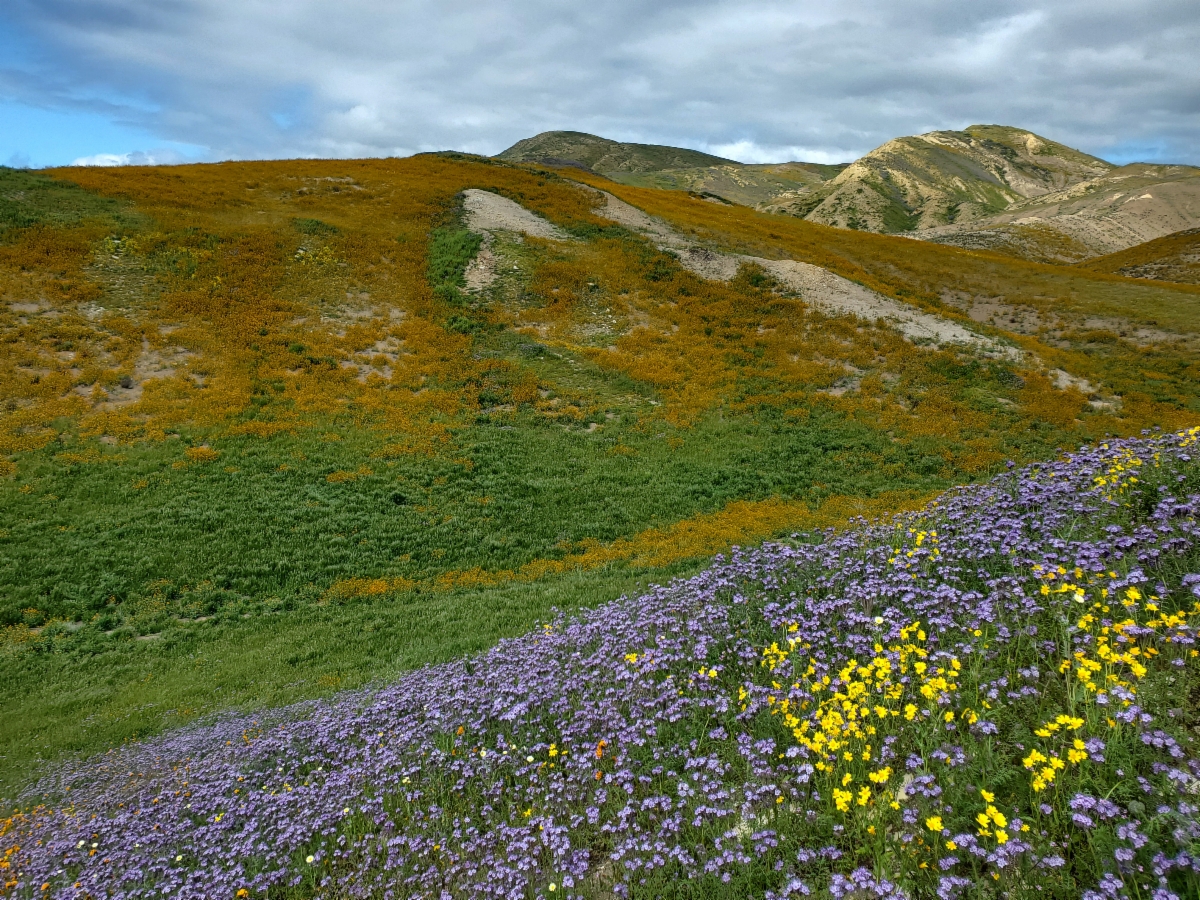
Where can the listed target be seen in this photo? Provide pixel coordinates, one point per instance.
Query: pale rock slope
(947, 177)
(1122, 208)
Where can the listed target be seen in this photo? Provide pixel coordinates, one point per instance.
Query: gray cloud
(762, 80)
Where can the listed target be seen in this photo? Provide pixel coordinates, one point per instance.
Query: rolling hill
(672, 168)
(605, 156)
(1175, 257)
(915, 183)
(1124, 207)
(988, 187)
(271, 430)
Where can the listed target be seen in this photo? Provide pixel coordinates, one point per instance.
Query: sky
(164, 81)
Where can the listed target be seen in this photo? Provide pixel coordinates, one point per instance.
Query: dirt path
(486, 212)
(815, 285)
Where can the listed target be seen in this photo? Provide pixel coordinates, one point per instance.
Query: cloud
(136, 158)
(822, 79)
(751, 152)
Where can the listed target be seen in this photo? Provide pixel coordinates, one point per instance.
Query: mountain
(771, 187)
(1122, 208)
(605, 156)
(947, 177)
(988, 187)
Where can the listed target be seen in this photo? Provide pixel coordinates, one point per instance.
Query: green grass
(88, 540)
(30, 198)
(82, 693)
(451, 248)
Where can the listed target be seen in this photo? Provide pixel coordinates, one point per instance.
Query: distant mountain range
(988, 187)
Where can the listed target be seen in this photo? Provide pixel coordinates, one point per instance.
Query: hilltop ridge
(604, 156)
(945, 177)
(988, 187)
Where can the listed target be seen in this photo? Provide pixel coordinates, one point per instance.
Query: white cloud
(825, 79)
(751, 152)
(136, 158)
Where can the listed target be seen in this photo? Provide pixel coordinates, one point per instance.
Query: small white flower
(308, 859)
(346, 811)
(179, 858)
(529, 759)
(553, 886)
(879, 620)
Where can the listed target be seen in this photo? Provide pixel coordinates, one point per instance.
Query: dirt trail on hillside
(486, 211)
(820, 287)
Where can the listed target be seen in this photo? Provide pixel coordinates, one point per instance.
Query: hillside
(985, 697)
(605, 156)
(674, 168)
(1124, 207)
(275, 429)
(945, 177)
(1175, 257)
(988, 187)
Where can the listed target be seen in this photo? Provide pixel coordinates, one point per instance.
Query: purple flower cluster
(651, 742)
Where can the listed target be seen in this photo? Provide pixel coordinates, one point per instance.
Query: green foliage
(88, 541)
(92, 688)
(451, 249)
(31, 198)
(314, 227)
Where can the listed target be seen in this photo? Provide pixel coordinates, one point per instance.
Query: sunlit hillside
(1175, 257)
(988, 187)
(262, 437)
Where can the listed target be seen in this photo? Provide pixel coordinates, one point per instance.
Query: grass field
(992, 696)
(257, 437)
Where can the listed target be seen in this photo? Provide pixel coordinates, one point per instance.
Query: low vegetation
(991, 696)
(248, 403)
(1175, 257)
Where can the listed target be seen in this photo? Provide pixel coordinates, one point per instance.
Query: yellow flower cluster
(841, 725)
(1120, 475)
(1123, 651)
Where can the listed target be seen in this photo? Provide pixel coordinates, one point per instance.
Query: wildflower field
(259, 444)
(995, 695)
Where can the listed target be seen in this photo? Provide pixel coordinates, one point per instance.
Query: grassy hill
(605, 156)
(260, 443)
(1175, 257)
(988, 187)
(945, 177)
(673, 168)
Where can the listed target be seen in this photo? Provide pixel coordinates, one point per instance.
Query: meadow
(258, 444)
(992, 696)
